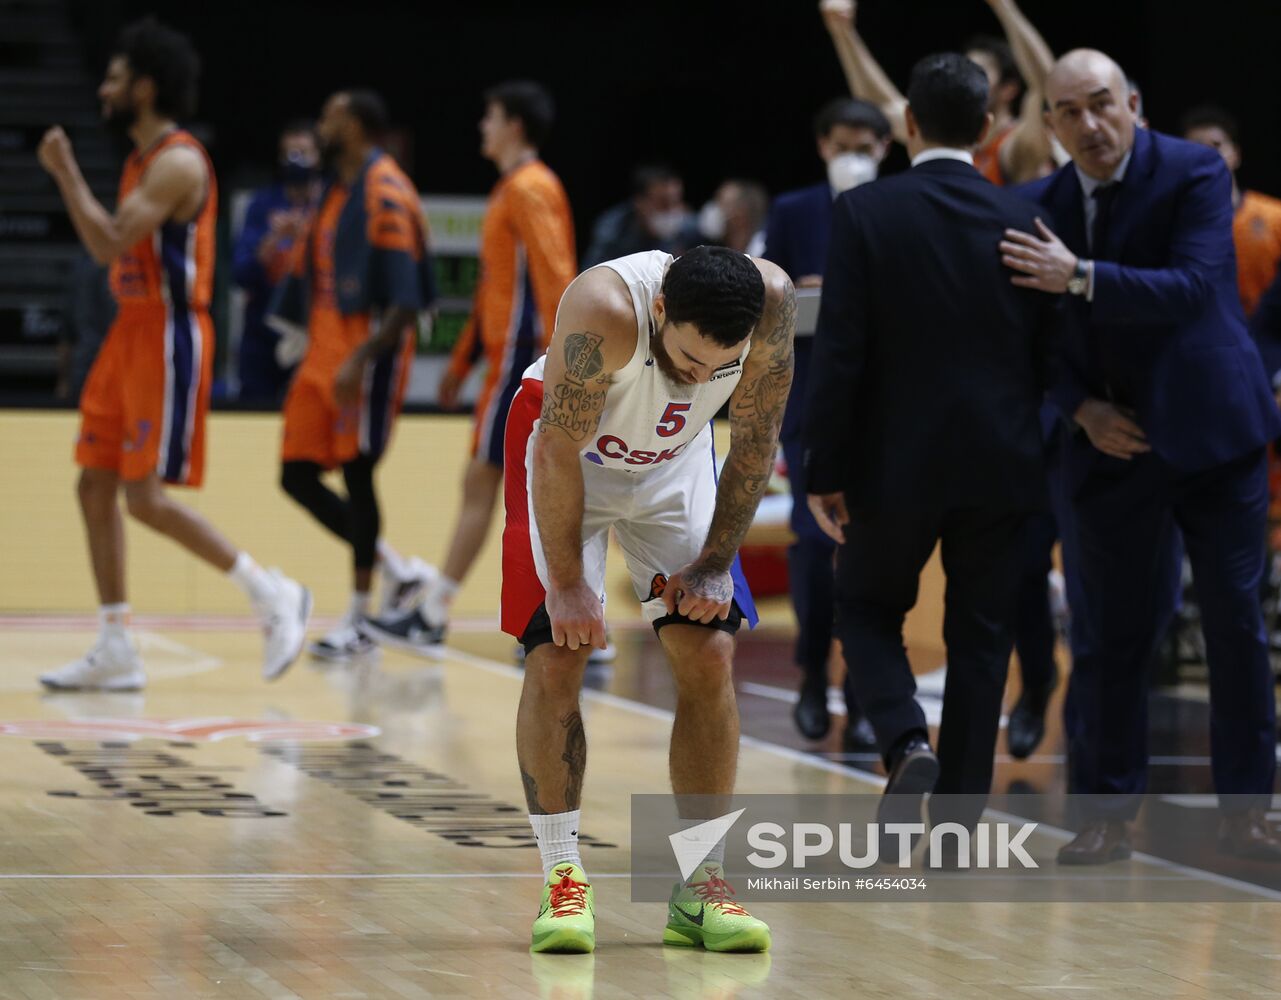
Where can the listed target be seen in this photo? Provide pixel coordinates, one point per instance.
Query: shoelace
(716, 892)
(568, 897)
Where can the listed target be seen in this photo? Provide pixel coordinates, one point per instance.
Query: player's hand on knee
(577, 618)
(699, 593)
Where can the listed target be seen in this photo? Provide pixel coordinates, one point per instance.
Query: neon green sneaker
(702, 912)
(567, 919)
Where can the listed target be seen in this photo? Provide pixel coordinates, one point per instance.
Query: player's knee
(555, 673)
(481, 481)
(96, 488)
(145, 503)
(298, 479)
(708, 674)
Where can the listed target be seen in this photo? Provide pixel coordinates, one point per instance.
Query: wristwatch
(1080, 278)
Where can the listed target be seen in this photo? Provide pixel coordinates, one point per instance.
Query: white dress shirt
(1088, 186)
(943, 153)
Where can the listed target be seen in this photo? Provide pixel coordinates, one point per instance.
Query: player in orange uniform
(143, 406)
(360, 277)
(1256, 222)
(1017, 147)
(526, 263)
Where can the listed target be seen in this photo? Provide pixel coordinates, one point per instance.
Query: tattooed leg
(551, 745)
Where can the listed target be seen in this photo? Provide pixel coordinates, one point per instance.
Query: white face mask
(711, 221)
(849, 170)
(667, 225)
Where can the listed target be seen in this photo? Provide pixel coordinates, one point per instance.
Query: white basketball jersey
(649, 420)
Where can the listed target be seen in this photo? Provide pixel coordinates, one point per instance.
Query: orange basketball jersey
(175, 264)
(144, 403)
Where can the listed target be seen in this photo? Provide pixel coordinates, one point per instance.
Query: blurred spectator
(1256, 222)
(90, 313)
(656, 218)
(1140, 115)
(1017, 147)
(276, 217)
(735, 217)
(852, 138)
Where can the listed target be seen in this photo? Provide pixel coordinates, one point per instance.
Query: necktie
(1113, 375)
(1103, 197)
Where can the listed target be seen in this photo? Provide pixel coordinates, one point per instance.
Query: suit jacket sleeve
(776, 242)
(839, 354)
(246, 269)
(1067, 382)
(1265, 325)
(1200, 248)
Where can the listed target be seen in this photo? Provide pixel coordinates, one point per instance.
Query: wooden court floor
(217, 837)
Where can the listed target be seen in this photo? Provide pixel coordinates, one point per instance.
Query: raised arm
(175, 180)
(866, 79)
(595, 336)
(1028, 147)
(755, 416)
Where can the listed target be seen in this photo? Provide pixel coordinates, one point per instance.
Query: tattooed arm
(595, 336)
(755, 416)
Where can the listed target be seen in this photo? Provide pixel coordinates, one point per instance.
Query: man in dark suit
(926, 381)
(852, 138)
(1159, 373)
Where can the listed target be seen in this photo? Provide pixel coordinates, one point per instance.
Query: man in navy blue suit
(1160, 376)
(923, 428)
(853, 137)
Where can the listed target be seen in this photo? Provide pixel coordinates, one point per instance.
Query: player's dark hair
(720, 291)
(368, 108)
(1211, 116)
(948, 97)
(851, 112)
(1007, 69)
(528, 101)
(167, 58)
(647, 175)
(298, 126)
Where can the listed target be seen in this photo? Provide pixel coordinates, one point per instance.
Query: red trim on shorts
(522, 590)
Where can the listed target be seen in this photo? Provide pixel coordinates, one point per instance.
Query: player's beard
(331, 151)
(119, 120)
(680, 387)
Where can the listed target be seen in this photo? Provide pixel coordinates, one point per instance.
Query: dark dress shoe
(1025, 729)
(913, 773)
(811, 714)
(1099, 842)
(859, 736)
(1026, 726)
(1247, 835)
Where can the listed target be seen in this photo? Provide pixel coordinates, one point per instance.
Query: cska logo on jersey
(657, 586)
(615, 447)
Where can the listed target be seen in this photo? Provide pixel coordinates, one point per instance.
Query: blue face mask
(297, 171)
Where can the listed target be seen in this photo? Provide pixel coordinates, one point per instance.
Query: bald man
(1170, 415)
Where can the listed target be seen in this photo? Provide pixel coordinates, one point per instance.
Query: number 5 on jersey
(673, 420)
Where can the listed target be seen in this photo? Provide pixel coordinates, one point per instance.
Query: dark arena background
(283, 762)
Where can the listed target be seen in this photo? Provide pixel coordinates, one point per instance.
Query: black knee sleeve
(364, 519)
(301, 480)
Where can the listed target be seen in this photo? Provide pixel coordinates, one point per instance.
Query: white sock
(256, 582)
(557, 835)
(113, 621)
(714, 849)
(392, 562)
(359, 606)
(439, 597)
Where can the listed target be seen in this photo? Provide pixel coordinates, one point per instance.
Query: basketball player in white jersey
(612, 429)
